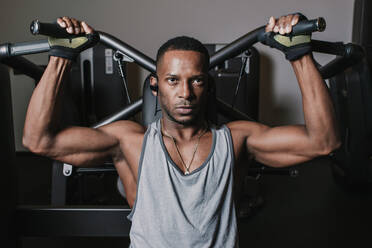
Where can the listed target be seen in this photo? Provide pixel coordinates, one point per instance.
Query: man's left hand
(278, 35)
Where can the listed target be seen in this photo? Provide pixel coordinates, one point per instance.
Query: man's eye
(172, 80)
(198, 81)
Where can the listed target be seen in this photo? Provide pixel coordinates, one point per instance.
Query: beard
(197, 115)
(192, 119)
(185, 122)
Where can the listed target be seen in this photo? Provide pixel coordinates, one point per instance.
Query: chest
(189, 155)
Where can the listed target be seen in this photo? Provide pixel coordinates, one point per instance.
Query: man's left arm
(288, 145)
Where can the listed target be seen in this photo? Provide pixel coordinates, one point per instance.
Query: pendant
(187, 172)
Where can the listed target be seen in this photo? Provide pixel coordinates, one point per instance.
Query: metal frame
(77, 221)
(347, 55)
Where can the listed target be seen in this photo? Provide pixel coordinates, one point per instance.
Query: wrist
(307, 58)
(59, 63)
(59, 60)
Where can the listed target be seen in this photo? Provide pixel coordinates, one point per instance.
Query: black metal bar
(231, 112)
(24, 66)
(233, 49)
(4, 51)
(73, 221)
(335, 48)
(236, 47)
(333, 67)
(59, 184)
(353, 54)
(94, 170)
(51, 30)
(140, 58)
(244, 42)
(125, 113)
(23, 48)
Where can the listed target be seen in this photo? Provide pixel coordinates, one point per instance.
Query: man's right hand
(70, 48)
(74, 26)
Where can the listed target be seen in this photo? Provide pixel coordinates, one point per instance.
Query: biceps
(83, 159)
(280, 159)
(280, 146)
(82, 146)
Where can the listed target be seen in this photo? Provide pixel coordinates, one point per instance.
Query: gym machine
(351, 91)
(91, 221)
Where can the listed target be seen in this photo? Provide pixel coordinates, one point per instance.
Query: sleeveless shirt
(177, 210)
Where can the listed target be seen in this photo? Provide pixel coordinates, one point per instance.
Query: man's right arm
(80, 146)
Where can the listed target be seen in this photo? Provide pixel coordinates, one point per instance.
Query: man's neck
(183, 132)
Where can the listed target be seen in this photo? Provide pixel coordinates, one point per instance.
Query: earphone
(154, 87)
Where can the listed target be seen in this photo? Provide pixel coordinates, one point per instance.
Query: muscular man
(178, 172)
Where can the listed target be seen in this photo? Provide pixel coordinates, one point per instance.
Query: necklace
(187, 168)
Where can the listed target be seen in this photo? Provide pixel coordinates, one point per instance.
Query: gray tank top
(176, 210)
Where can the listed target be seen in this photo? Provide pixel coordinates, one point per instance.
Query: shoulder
(242, 131)
(245, 128)
(130, 137)
(123, 128)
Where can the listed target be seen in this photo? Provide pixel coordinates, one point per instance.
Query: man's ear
(154, 84)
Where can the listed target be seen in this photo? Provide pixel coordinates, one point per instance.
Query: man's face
(182, 86)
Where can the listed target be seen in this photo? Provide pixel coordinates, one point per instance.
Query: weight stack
(101, 87)
(351, 92)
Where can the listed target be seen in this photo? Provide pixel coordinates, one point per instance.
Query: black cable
(118, 57)
(245, 59)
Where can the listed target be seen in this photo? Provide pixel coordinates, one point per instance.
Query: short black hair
(184, 43)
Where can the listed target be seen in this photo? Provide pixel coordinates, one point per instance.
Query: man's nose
(186, 90)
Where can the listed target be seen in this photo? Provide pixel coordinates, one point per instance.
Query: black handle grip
(51, 29)
(302, 27)
(309, 26)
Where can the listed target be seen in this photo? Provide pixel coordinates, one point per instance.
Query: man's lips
(185, 106)
(184, 109)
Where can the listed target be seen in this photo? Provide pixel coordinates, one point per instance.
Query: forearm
(320, 121)
(40, 123)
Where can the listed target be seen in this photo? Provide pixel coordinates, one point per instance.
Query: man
(178, 172)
